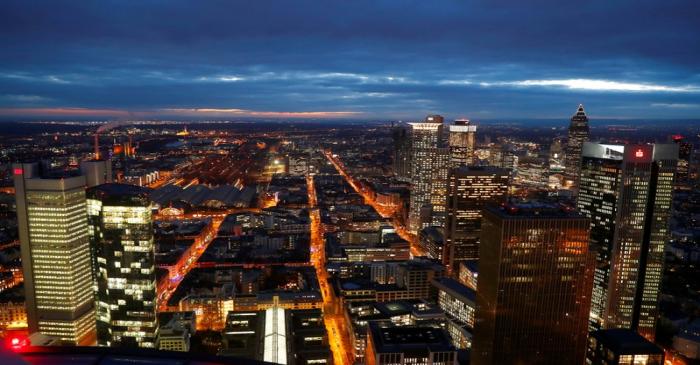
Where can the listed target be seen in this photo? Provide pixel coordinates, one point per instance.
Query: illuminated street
(384, 211)
(334, 320)
(176, 273)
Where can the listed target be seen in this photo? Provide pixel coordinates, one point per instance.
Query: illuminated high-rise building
(534, 293)
(121, 231)
(438, 191)
(470, 189)
(461, 141)
(685, 152)
(626, 192)
(53, 231)
(430, 163)
(578, 134)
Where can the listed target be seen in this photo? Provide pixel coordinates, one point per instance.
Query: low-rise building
(409, 345)
(459, 304)
(622, 346)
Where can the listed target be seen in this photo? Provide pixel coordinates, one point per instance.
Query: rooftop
(623, 341)
(409, 338)
(533, 209)
(455, 288)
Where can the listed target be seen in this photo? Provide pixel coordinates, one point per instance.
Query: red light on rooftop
(18, 343)
(639, 153)
(18, 171)
(677, 137)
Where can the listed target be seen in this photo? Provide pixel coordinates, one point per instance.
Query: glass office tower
(461, 141)
(626, 192)
(534, 291)
(121, 232)
(430, 164)
(578, 134)
(56, 264)
(470, 189)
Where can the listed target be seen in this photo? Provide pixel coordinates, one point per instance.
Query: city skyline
(365, 61)
(350, 182)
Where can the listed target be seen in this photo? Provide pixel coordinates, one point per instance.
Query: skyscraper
(55, 254)
(438, 191)
(402, 152)
(121, 231)
(96, 172)
(626, 192)
(429, 166)
(578, 134)
(470, 189)
(534, 286)
(461, 141)
(685, 152)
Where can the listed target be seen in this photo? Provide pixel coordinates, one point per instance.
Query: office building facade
(579, 133)
(121, 232)
(430, 164)
(462, 139)
(626, 191)
(470, 190)
(534, 286)
(55, 253)
(408, 345)
(622, 347)
(402, 152)
(685, 153)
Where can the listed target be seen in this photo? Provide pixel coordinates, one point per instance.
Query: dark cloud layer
(366, 59)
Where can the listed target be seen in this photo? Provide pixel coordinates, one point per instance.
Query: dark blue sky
(350, 59)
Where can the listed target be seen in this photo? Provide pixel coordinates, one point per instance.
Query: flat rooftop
(625, 342)
(410, 339)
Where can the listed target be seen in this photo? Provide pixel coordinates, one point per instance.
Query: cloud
(598, 85)
(676, 105)
(379, 58)
(215, 112)
(66, 112)
(24, 98)
(173, 112)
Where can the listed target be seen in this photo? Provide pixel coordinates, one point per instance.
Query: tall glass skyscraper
(121, 232)
(461, 141)
(470, 189)
(578, 134)
(534, 291)
(53, 232)
(430, 165)
(626, 192)
(402, 152)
